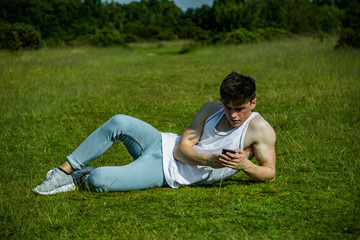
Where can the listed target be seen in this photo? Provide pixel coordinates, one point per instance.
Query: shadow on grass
(225, 183)
(88, 194)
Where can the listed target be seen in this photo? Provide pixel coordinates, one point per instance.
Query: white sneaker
(56, 181)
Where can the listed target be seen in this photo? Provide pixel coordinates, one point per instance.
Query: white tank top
(211, 141)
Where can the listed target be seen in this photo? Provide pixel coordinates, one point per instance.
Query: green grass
(51, 99)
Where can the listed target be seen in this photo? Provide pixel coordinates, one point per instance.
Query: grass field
(52, 99)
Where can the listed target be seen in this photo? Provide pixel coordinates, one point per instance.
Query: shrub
(16, 36)
(193, 32)
(243, 35)
(166, 34)
(128, 37)
(188, 47)
(271, 33)
(148, 32)
(106, 37)
(212, 37)
(348, 38)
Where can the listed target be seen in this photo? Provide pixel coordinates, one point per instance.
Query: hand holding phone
(224, 151)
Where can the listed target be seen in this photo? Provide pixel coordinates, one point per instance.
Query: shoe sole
(65, 188)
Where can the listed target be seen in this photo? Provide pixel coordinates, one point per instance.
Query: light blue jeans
(143, 143)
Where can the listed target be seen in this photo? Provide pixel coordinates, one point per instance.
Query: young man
(166, 159)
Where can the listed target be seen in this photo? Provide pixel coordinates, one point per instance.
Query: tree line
(34, 23)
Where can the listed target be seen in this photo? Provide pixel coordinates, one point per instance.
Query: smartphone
(224, 151)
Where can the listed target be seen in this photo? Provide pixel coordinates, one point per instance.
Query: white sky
(183, 4)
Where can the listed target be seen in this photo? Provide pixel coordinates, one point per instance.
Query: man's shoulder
(258, 122)
(213, 105)
(260, 129)
(210, 108)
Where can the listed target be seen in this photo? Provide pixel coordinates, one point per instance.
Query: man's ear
(253, 103)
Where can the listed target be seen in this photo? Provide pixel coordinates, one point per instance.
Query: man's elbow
(270, 178)
(269, 174)
(178, 155)
(265, 179)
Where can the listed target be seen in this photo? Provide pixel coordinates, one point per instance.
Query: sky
(183, 4)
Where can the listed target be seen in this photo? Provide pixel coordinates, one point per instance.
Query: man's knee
(97, 180)
(120, 120)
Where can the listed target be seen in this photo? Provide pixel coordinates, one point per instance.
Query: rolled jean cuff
(76, 165)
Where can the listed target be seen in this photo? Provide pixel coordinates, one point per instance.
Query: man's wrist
(206, 160)
(247, 165)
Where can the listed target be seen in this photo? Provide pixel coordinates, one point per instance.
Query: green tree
(230, 15)
(203, 17)
(350, 35)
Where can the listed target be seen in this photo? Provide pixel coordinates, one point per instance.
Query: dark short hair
(237, 88)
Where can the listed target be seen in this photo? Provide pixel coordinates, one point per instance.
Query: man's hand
(214, 161)
(236, 161)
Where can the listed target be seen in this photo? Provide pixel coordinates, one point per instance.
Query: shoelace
(50, 175)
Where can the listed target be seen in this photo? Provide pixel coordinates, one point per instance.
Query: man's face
(237, 114)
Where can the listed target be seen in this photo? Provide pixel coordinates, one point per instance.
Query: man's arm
(263, 140)
(184, 149)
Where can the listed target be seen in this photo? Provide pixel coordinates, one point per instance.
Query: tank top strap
(212, 121)
(217, 115)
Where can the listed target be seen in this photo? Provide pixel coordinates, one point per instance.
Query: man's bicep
(189, 138)
(265, 148)
(192, 134)
(265, 155)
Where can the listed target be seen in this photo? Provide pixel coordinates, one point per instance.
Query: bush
(188, 47)
(271, 33)
(193, 32)
(130, 38)
(106, 37)
(243, 35)
(166, 34)
(142, 32)
(212, 37)
(16, 36)
(348, 38)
